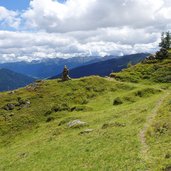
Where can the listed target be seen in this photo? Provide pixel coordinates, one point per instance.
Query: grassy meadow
(36, 137)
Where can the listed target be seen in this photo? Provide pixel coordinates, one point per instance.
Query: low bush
(113, 124)
(50, 118)
(117, 101)
(80, 108)
(147, 92)
(130, 98)
(61, 107)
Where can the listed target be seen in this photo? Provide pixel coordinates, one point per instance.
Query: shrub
(139, 93)
(50, 118)
(81, 108)
(130, 99)
(161, 128)
(61, 107)
(146, 92)
(48, 113)
(117, 101)
(113, 124)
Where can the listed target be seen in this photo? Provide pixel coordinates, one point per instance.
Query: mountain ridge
(104, 68)
(10, 80)
(45, 68)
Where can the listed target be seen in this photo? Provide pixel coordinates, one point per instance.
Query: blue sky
(17, 4)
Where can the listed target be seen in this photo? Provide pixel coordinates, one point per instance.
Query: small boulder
(23, 103)
(11, 92)
(76, 124)
(27, 103)
(9, 106)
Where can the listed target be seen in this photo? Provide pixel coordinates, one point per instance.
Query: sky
(36, 29)
(15, 4)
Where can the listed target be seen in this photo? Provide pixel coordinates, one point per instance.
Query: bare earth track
(150, 119)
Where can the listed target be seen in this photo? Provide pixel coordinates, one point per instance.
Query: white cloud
(30, 46)
(9, 18)
(77, 15)
(83, 27)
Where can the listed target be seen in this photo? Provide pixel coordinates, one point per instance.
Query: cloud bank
(82, 28)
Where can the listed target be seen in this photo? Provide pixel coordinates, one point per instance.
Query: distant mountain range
(10, 80)
(48, 67)
(105, 67)
(15, 75)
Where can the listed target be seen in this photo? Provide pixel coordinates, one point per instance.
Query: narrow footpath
(148, 123)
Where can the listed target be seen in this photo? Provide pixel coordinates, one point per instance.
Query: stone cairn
(65, 74)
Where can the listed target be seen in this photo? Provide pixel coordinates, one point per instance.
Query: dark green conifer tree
(165, 40)
(162, 43)
(168, 40)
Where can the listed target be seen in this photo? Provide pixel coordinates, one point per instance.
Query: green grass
(159, 138)
(157, 71)
(30, 141)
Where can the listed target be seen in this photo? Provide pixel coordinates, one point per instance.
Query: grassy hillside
(125, 126)
(154, 70)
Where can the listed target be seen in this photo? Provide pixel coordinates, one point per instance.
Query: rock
(9, 106)
(66, 120)
(27, 103)
(76, 124)
(23, 103)
(33, 86)
(19, 105)
(11, 92)
(86, 131)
